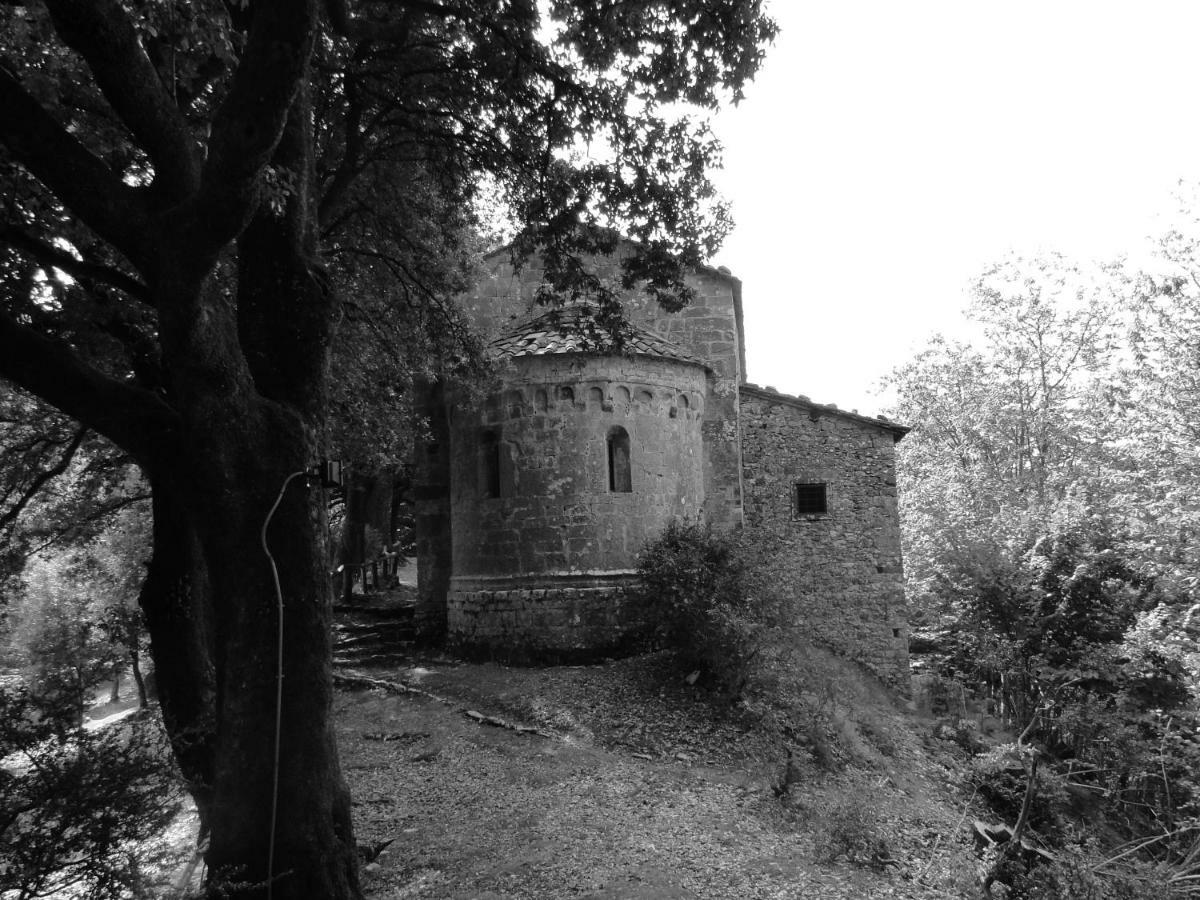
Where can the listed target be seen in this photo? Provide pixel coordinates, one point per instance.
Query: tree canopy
(1049, 502)
(202, 199)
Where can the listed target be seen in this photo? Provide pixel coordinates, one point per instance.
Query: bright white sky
(889, 151)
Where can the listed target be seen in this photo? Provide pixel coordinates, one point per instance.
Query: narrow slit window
(489, 464)
(620, 480)
(810, 498)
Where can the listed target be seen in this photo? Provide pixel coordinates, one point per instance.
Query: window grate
(810, 499)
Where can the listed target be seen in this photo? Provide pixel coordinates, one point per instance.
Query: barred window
(810, 498)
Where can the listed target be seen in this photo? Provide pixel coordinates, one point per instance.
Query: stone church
(534, 500)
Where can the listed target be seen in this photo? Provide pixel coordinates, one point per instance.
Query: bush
(82, 812)
(851, 830)
(699, 602)
(1001, 782)
(1077, 874)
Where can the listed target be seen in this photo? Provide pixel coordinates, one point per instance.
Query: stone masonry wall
(556, 622)
(845, 564)
(708, 328)
(544, 569)
(553, 418)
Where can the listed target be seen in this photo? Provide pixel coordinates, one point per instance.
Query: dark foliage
(699, 602)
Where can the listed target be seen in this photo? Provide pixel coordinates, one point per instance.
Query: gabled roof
(820, 409)
(574, 329)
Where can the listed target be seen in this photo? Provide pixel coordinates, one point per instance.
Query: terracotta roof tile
(574, 329)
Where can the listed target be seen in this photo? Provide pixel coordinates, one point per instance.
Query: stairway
(376, 631)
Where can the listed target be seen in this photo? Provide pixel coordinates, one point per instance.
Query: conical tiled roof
(574, 329)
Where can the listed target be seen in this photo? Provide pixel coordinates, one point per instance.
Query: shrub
(851, 830)
(699, 603)
(82, 813)
(1076, 874)
(878, 734)
(1001, 781)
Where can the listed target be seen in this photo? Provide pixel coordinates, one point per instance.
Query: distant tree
(60, 484)
(118, 559)
(74, 618)
(1160, 415)
(1010, 432)
(193, 171)
(1045, 504)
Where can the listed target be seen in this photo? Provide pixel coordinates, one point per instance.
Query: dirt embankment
(624, 782)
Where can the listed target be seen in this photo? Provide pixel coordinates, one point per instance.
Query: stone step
(374, 658)
(373, 639)
(392, 596)
(353, 629)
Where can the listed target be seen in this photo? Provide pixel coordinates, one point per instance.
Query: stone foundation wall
(552, 622)
(843, 565)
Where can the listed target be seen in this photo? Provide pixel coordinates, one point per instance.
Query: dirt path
(668, 803)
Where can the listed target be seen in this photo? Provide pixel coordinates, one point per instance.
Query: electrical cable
(278, 683)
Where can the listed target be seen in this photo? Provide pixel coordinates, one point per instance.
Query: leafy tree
(74, 619)
(1043, 508)
(60, 484)
(194, 171)
(1161, 409)
(1010, 433)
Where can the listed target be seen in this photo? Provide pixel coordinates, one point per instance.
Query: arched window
(619, 479)
(489, 464)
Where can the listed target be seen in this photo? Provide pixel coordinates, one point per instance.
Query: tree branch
(48, 255)
(59, 535)
(43, 477)
(248, 125)
(101, 32)
(135, 419)
(80, 180)
(351, 162)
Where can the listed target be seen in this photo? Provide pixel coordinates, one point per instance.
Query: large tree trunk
(313, 853)
(176, 601)
(239, 407)
(213, 613)
(252, 388)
